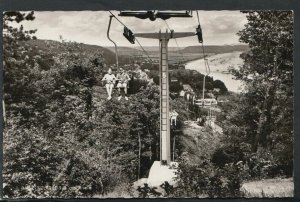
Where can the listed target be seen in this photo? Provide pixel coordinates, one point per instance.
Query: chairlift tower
(163, 170)
(165, 145)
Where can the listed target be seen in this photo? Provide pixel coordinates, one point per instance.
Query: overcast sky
(219, 27)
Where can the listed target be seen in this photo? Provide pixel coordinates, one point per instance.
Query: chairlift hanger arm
(131, 37)
(108, 29)
(116, 47)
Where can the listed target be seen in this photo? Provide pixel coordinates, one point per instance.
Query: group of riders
(121, 79)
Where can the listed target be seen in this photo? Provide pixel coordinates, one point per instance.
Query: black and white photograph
(148, 104)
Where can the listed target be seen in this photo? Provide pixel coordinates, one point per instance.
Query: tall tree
(17, 68)
(262, 120)
(268, 67)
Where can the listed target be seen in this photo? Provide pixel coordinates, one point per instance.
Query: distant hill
(216, 49)
(123, 50)
(189, 53)
(108, 55)
(156, 48)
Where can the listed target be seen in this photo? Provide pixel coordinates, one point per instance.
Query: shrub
(205, 179)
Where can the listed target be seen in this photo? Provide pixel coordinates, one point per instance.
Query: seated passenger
(123, 79)
(173, 117)
(110, 80)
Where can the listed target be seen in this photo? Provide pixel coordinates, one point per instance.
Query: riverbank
(219, 65)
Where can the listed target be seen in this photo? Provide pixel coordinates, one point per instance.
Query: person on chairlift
(173, 117)
(110, 80)
(123, 79)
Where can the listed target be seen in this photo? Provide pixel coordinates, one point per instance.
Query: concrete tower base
(160, 173)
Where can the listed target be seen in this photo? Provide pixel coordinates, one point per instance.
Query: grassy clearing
(269, 188)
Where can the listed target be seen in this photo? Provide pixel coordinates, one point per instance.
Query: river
(219, 64)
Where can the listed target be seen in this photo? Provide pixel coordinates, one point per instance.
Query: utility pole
(165, 145)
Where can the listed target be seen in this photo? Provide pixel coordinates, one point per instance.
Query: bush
(220, 84)
(263, 166)
(146, 191)
(205, 179)
(227, 154)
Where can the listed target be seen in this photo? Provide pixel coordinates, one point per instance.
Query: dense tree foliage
(260, 126)
(257, 124)
(195, 80)
(60, 142)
